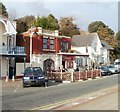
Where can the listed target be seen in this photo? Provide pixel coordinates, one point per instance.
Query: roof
(83, 39)
(106, 45)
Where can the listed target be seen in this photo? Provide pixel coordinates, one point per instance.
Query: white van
(117, 64)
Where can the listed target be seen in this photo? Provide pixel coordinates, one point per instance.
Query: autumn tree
(104, 32)
(117, 48)
(21, 26)
(3, 10)
(24, 23)
(48, 23)
(67, 27)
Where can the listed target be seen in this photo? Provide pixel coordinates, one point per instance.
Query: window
(69, 64)
(64, 46)
(51, 44)
(45, 43)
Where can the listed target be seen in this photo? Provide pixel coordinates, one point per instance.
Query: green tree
(48, 23)
(67, 27)
(3, 10)
(104, 32)
(118, 37)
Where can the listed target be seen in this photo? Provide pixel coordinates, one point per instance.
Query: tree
(3, 10)
(67, 27)
(117, 48)
(21, 26)
(104, 32)
(118, 37)
(24, 23)
(48, 23)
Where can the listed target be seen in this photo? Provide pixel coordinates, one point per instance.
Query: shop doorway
(63, 63)
(12, 68)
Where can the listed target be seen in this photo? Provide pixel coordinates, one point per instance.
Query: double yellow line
(51, 106)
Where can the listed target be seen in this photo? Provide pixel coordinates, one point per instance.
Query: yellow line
(54, 104)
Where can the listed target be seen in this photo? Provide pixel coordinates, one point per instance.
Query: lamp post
(31, 49)
(33, 34)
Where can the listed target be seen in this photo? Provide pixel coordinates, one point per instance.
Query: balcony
(12, 50)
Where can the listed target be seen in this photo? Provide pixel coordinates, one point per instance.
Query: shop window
(69, 64)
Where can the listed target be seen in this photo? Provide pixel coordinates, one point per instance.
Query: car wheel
(24, 85)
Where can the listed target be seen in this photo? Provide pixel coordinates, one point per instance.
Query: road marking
(18, 86)
(73, 101)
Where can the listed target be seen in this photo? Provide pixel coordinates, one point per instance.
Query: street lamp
(33, 34)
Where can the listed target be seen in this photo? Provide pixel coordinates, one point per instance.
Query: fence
(74, 76)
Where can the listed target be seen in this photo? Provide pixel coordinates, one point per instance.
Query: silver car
(113, 69)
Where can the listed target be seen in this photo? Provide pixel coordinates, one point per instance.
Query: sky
(83, 11)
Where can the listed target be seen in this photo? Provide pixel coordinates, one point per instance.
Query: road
(89, 92)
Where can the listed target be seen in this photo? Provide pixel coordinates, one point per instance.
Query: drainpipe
(7, 70)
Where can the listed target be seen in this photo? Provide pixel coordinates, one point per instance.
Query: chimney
(40, 30)
(56, 33)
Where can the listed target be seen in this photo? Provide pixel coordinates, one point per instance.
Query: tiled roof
(83, 39)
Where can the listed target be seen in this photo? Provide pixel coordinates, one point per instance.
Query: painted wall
(3, 66)
(20, 68)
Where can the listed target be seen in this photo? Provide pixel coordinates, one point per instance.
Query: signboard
(66, 58)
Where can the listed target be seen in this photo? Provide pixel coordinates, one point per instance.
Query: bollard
(100, 73)
(46, 84)
(92, 73)
(72, 77)
(97, 74)
(13, 78)
(6, 79)
(79, 75)
(86, 75)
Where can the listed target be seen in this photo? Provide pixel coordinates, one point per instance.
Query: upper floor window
(51, 44)
(48, 43)
(64, 46)
(45, 43)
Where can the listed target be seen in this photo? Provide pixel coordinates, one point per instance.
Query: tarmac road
(15, 97)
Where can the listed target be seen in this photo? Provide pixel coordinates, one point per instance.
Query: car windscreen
(111, 67)
(33, 71)
(104, 68)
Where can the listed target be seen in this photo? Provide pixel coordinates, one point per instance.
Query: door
(48, 65)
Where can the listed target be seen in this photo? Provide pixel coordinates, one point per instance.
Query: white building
(8, 49)
(91, 44)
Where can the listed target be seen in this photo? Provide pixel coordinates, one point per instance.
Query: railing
(12, 50)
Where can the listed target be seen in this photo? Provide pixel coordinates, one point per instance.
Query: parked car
(104, 70)
(117, 64)
(33, 76)
(113, 69)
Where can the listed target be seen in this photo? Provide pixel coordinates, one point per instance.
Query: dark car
(33, 76)
(104, 70)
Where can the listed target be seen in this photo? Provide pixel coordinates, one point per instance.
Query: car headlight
(41, 77)
(26, 78)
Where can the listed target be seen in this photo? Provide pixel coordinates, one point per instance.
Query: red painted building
(46, 46)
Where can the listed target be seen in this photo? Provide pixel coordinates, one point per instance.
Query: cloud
(27, 8)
